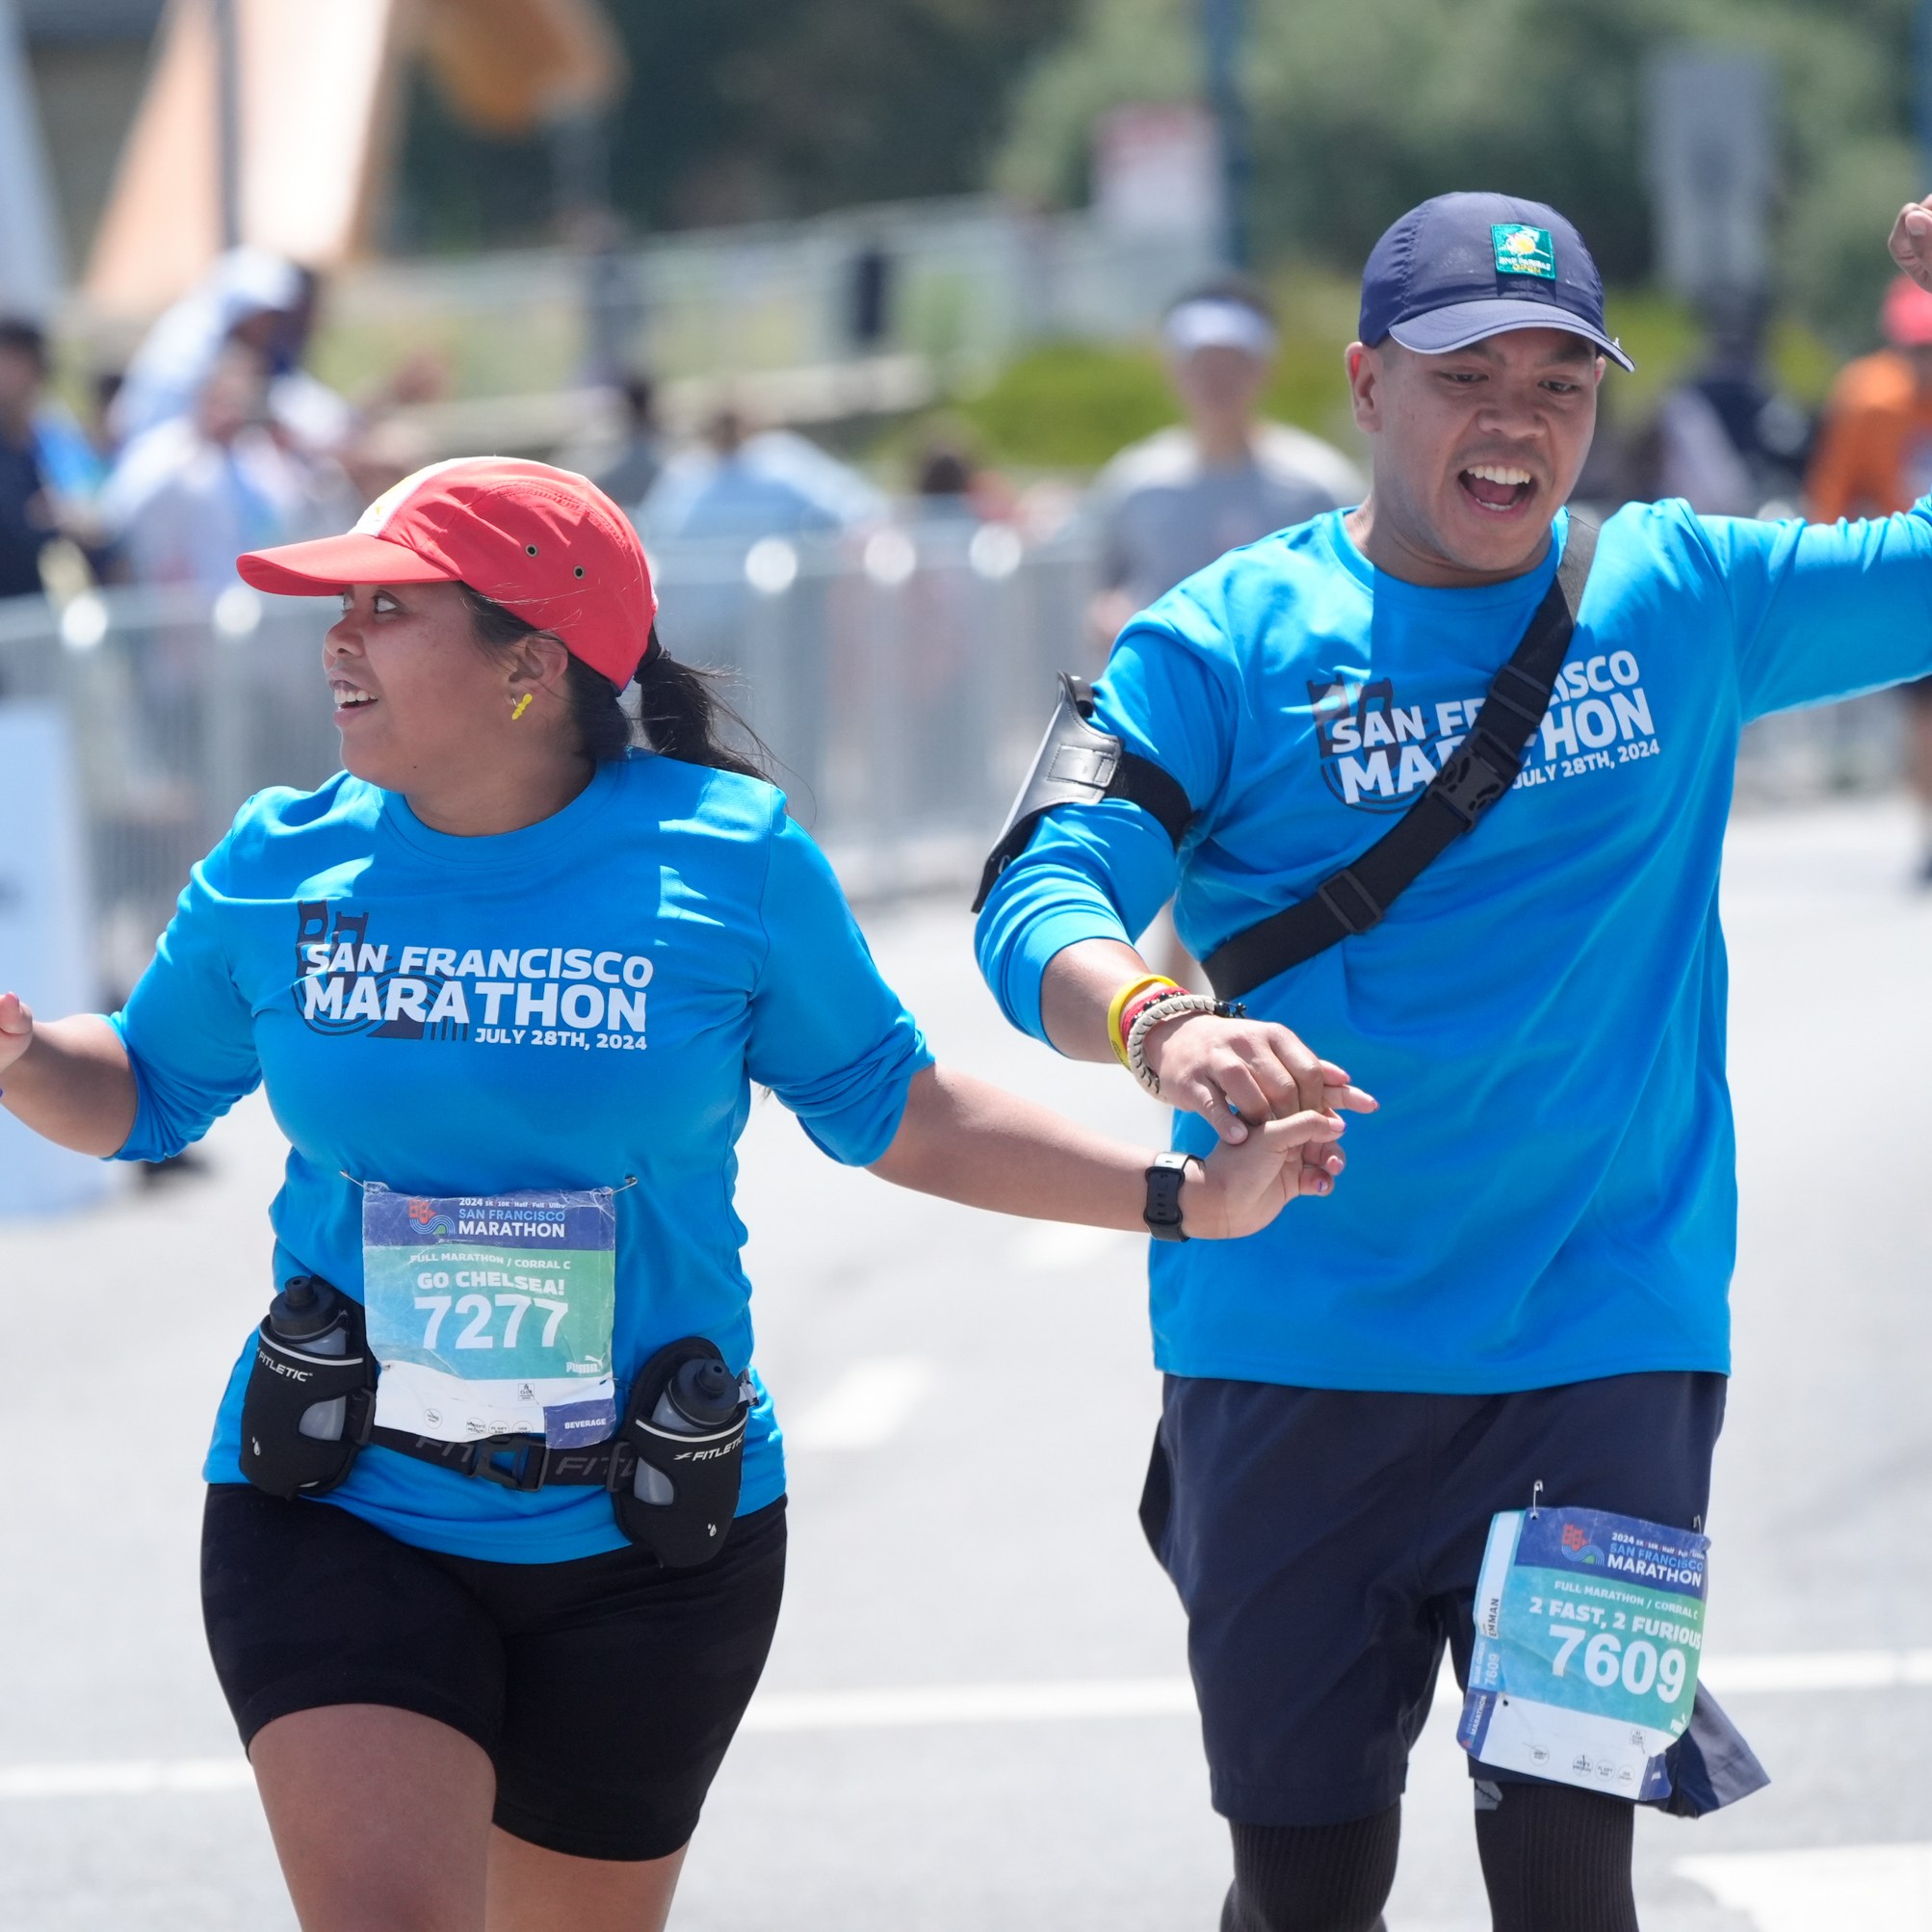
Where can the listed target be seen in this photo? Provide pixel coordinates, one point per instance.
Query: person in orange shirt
(1874, 456)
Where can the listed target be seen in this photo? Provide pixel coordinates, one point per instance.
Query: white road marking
(1071, 1700)
(129, 1777)
(1820, 1670)
(867, 1406)
(971, 1704)
(1876, 1888)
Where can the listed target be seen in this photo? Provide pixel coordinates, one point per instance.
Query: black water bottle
(311, 1316)
(698, 1401)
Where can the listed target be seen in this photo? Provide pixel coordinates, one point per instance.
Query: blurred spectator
(1171, 505)
(944, 482)
(1873, 458)
(627, 476)
(743, 486)
(190, 494)
(951, 485)
(25, 516)
(266, 304)
(48, 471)
(246, 296)
(106, 386)
(1725, 440)
(1875, 448)
(303, 409)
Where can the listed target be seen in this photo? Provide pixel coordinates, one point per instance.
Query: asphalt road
(974, 1715)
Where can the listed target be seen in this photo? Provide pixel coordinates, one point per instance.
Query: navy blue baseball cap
(1463, 267)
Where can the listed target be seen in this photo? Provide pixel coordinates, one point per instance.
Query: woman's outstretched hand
(1243, 1185)
(17, 1028)
(78, 1089)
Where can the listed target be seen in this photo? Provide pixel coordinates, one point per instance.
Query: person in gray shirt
(1169, 505)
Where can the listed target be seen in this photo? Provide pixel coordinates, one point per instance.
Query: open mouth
(348, 698)
(1497, 489)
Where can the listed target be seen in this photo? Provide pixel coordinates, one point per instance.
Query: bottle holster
(285, 1382)
(703, 1470)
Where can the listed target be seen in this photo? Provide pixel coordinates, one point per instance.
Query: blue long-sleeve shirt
(568, 1006)
(1549, 1191)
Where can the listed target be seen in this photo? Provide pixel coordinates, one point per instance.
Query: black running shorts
(1326, 1544)
(605, 1689)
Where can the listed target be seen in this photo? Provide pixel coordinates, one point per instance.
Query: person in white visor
(1171, 505)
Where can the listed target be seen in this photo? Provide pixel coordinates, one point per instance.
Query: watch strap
(1162, 1212)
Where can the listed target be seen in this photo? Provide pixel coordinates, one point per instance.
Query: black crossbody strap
(1482, 770)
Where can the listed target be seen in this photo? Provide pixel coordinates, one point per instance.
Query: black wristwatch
(1162, 1212)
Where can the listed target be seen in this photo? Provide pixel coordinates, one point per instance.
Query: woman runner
(509, 958)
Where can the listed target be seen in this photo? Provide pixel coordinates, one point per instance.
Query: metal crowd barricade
(1857, 746)
(178, 709)
(899, 675)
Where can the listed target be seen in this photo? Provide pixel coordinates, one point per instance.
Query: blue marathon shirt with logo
(1548, 1195)
(561, 1007)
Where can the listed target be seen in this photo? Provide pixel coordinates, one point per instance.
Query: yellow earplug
(522, 705)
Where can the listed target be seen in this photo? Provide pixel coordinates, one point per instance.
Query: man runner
(1523, 1278)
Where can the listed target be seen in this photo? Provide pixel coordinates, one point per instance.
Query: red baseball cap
(545, 544)
(1907, 315)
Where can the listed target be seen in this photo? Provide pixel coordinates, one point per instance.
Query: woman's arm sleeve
(828, 1037)
(188, 1033)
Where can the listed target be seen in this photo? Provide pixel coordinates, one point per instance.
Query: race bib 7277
(492, 1315)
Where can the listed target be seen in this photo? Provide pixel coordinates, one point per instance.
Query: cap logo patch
(1522, 250)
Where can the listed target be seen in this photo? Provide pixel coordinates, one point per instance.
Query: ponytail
(684, 716)
(680, 712)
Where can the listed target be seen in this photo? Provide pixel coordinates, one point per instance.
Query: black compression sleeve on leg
(1313, 1878)
(1556, 1859)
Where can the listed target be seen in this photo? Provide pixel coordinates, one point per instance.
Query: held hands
(17, 1028)
(1243, 1186)
(1911, 242)
(1234, 1073)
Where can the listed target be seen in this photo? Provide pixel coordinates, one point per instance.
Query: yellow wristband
(1118, 1006)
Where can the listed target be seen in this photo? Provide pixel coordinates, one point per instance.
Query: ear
(1366, 374)
(539, 663)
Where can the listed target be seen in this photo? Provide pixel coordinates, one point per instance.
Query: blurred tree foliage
(1069, 405)
(1361, 110)
(743, 109)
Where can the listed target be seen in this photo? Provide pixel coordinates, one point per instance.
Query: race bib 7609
(1589, 1626)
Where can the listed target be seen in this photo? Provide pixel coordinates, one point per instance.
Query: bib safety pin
(1535, 1496)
